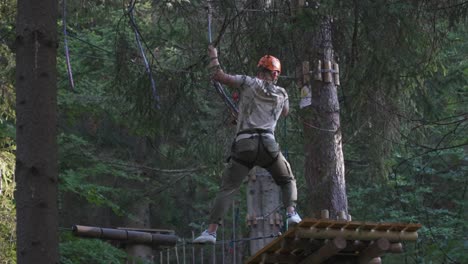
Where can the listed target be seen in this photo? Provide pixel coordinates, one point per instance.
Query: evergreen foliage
(77, 250)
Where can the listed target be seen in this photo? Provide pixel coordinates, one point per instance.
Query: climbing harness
(218, 87)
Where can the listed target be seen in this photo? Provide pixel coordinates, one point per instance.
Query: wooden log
(336, 74)
(305, 73)
(331, 248)
(324, 214)
(374, 250)
(323, 233)
(128, 236)
(341, 215)
(318, 71)
(376, 261)
(164, 240)
(327, 75)
(139, 237)
(396, 248)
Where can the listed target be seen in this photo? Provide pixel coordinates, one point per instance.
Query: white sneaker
(205, 238)
(293, 218)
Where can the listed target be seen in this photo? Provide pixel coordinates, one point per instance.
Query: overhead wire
(65, 40)
(218, 87)
(142, 51)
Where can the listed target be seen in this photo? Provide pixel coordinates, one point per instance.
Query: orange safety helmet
(269, 62)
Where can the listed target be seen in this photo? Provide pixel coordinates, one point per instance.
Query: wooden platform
(319, 240)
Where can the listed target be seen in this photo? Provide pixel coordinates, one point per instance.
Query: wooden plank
(399, 227)
(368, 226)
(412, 227)
(383, 227)
(308, 222)
(354, 225)
(323, 224)
(338, 224)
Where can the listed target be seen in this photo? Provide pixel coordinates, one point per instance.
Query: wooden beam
(324, 233)
(374, 250)
(332, 247)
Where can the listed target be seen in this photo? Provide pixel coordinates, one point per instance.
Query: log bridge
(336, 241)
(151, 237)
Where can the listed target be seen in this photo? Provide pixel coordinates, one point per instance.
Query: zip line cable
(65, 42)
(142, 51)
(218, 87)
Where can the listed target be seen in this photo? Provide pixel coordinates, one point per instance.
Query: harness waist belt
(254, 132)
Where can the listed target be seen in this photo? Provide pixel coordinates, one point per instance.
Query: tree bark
(36, 156)
(263, 200)
(324, 166)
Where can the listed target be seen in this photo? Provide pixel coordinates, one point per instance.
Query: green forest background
(403, 99)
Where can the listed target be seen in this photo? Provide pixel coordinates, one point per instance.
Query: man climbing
(261, 105)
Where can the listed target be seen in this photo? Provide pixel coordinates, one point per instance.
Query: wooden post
(318, 71)
(324, 214)
(327, 75)
(336, 74)
(305, 73)
(341, 215)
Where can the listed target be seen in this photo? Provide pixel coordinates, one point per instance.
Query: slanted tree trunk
(36, 155)
(324, 166)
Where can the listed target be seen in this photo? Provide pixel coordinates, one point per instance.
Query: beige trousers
(260, 151)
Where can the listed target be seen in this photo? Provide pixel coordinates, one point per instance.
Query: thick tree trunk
(324, 167)
(36, 156)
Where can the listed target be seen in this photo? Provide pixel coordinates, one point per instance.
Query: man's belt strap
(255, 131)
